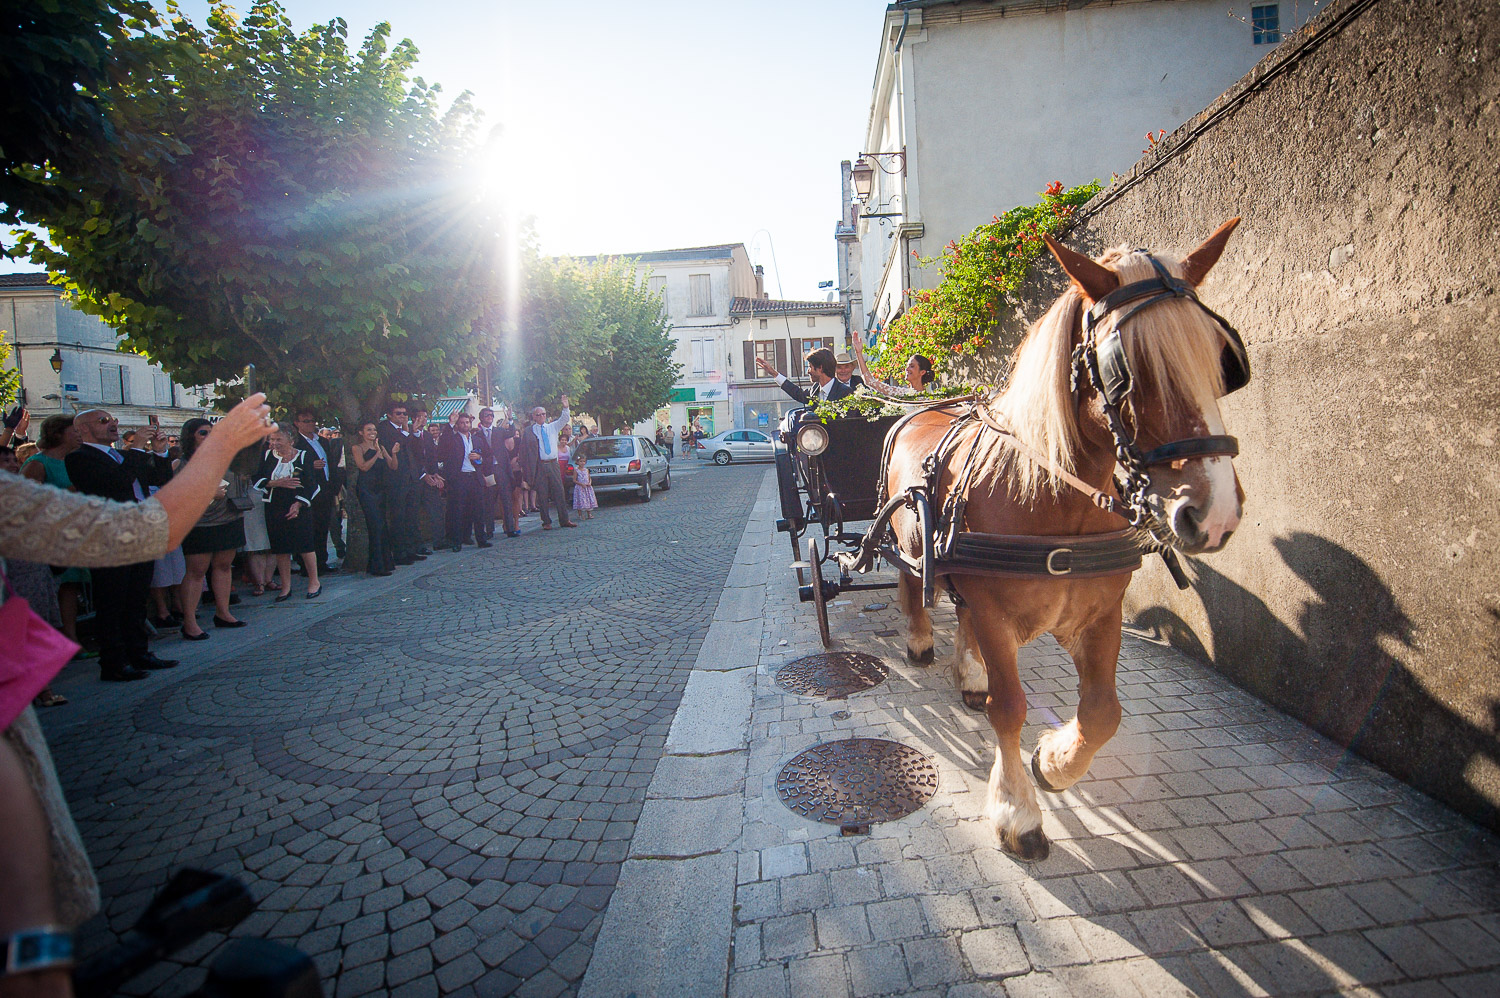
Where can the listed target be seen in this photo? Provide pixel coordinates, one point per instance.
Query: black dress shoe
(419, 557)
(456, 548)
(424, 549)
(234, 598)
(151, 661)
(325, 570)
(512, 533)
(120, 674)
(218, 622)
(200, 636)
(166, 623)
(484, 544)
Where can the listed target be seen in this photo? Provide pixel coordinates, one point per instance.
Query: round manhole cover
(832, 676)
(857, 781)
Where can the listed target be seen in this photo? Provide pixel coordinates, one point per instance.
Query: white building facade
(42, 328)
(977, 107)
(781, 333)
(697, 285)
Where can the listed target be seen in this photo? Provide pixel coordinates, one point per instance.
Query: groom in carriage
(821, 367)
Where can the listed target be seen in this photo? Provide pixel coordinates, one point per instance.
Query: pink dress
(583, 489)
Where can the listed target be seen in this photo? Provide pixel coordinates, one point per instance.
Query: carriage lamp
(812, 439)
(56, 361)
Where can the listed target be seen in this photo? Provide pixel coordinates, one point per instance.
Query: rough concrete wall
(1361, 592)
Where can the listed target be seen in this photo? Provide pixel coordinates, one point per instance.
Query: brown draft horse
(1174, 352)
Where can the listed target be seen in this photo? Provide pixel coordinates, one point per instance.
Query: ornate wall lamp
(863, 176)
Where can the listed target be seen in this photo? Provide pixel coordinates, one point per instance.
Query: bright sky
(657, 124)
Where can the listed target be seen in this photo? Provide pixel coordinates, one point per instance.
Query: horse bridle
(1103, 362)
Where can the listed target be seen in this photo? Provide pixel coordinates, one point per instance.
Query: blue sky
(656, 124)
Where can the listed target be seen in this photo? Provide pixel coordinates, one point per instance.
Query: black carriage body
(837, 486)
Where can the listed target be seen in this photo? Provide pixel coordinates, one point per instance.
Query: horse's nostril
(1188, 522)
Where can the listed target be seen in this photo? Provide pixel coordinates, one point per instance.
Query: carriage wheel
(797, 555)
(820, 601)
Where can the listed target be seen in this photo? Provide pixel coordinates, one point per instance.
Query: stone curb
(668, 927)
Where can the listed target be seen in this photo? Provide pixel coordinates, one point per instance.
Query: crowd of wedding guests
(418, 485)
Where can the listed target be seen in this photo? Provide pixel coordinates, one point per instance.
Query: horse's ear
(1201, 260)
(1087, 276)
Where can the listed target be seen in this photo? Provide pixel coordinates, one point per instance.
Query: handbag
(242, 503)
(32, 652)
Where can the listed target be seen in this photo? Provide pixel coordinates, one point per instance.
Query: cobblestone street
(430, 781)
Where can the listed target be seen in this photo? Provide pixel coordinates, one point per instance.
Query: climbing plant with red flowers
(981, 273)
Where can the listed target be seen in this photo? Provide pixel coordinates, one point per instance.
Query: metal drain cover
(832, 675)
(856, 781)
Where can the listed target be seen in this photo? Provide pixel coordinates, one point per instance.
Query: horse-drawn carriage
(1033, 506)
(827, 478)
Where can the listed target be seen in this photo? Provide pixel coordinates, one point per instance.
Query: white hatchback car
(619, 463)
(736, 445)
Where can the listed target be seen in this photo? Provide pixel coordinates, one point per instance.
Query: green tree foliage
(319, 220)
(632, 371)
(982, 273)
(10, 378)
(59, 59)
(595, 333)
(558, 326)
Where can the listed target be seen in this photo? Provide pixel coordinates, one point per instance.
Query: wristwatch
(47, 948)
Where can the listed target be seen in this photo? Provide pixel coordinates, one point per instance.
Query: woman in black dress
(209, 547)
(375, 464)
(290, 487)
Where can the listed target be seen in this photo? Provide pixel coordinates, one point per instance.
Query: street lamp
(56, 361)
(862, 174)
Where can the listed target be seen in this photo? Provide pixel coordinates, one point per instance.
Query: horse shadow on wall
(1344, 674)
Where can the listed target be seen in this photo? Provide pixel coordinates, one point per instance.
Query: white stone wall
(991, 109)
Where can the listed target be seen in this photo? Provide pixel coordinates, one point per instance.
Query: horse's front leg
(1011, 805)
(968, 665)
(918, 620)
(1064, 755)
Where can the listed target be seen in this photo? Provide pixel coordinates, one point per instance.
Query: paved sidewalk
(1216, 848)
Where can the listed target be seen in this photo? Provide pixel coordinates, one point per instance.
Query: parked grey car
(736, 445)
(623, 463)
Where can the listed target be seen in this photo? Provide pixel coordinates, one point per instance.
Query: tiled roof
(30, 279)
(777, 306)
(721, 251)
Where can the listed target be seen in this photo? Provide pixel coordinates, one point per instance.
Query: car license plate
(606, 470)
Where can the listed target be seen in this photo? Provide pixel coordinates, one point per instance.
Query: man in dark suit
(821, 368)
(495, 439)
(400, 511)
(325, 456)
(462, 456)
(120, 594)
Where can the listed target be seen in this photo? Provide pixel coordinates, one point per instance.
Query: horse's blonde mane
(1174, 350)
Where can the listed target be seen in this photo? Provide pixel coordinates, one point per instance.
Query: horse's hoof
(1036, 774)
(924, 658)
(975, 700)
(1032, 845)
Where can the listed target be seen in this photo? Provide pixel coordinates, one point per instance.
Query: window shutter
(781, 356)
(109, 384)
(750, 371)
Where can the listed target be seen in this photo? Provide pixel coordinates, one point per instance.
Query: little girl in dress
(584, 500)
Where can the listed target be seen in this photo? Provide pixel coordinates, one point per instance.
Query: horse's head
(1150, 363)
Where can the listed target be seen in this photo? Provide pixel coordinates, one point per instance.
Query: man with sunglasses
(120, 594)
